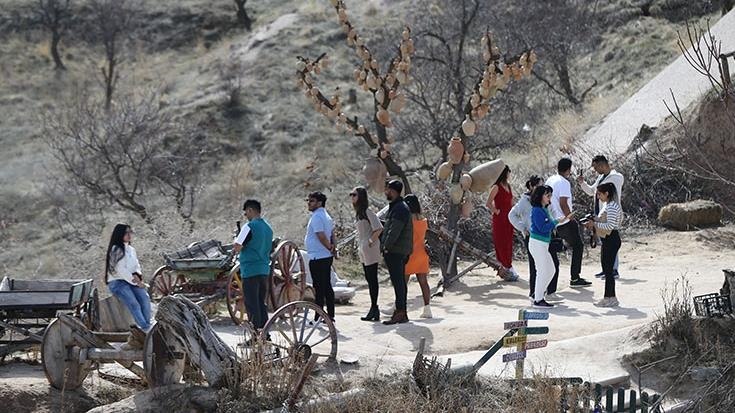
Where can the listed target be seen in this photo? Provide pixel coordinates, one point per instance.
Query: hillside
(270, 143)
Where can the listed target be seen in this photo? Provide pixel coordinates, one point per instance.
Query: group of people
(544, 215)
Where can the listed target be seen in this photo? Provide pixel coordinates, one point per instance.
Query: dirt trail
(617, 130)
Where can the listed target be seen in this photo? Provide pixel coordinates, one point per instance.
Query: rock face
(687, 215)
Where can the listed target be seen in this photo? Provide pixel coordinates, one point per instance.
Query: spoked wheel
(288, 275)
(164, 282)
(163, 361)
(236, 297)
(294, 331)
(62, 368)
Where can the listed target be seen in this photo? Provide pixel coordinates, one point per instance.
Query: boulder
(688, 215)
(173, 398)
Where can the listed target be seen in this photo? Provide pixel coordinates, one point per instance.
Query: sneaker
(531, 298)
(554, 297)
(600, 274)
(616, 274)
(390, 309)
(614, 302)
(542, 304)
(607, 302)
(426, 313)
(579, 282)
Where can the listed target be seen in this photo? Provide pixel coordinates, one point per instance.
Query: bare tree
(129, 154)
(384, 86)
(559, 30)
(54, 15)
(111, 23)
(242, 14)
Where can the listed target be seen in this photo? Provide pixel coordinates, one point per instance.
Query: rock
(686, 215)
(699, 373)
(175, 397)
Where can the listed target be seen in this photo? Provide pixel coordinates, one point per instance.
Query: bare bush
(54, 15)
(128, 155)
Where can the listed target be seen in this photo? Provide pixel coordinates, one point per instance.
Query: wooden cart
(28, 306)
(208, 271)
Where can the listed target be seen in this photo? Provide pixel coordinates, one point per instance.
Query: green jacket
(397, 236)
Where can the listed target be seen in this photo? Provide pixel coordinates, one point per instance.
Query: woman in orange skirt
(418, 261)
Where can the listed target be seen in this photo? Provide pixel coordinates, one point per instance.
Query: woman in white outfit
(542, 224)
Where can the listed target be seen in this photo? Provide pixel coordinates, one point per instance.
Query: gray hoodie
(520, 214)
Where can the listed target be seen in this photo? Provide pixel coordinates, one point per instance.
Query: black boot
(372, 315)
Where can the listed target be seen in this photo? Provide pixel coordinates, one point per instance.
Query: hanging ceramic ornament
(444, 170)
(455, 150)
(468, 126)
(465, 181)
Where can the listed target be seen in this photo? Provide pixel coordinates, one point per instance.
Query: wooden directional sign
(537, 330)
(520, 355)
(514, 324)
(530, 345)
(513, 341)
(531, 315)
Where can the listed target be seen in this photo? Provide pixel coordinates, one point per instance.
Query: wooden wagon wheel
(62, 368)
(288, 275)
(236, 297)
(293, 329)
(164, 282)
(163, 360)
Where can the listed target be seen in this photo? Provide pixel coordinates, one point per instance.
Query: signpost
(520, 341)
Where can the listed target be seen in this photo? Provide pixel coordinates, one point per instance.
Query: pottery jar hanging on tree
(375, 173)
(455, 150)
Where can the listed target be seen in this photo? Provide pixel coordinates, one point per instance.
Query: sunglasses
(353, 193)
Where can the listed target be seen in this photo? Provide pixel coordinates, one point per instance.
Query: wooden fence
(582, 398)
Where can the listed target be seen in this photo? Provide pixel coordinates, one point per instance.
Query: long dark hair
(361, 205)
(533, 180)
(503, 178)
(607, 188)
(538, 193)
(413, 203)
(114, 255)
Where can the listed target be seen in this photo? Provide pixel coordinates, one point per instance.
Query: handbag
(556, 245)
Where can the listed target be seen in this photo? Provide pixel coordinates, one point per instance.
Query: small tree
(128, 154)
(385, 89)
(111, 23)
(54, 15)
(242, 14)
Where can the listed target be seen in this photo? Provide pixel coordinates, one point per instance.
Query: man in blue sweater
(254, 245)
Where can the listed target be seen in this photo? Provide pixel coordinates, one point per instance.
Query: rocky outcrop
(690, 215)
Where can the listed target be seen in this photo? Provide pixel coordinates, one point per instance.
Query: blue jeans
(136, 299)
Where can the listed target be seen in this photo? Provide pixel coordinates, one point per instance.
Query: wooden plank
(512, 341)
(537, 330)
(514, 324)
(530, 345)
(519, 355)
(42, 285)
(25, 299)
(111, 354)
(114, 315)
(535, 315)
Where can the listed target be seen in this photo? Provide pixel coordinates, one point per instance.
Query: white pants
(544, 266)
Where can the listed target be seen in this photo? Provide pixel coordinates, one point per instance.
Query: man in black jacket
(396, 242)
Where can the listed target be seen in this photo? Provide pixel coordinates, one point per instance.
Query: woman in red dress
(499, 203)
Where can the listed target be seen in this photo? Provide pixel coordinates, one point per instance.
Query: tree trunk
(55, 39)
(179, 318)
(562, 70)
(242, 14)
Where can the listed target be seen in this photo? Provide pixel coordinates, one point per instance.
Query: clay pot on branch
(485, 175)
(455, 150)
(375, 173)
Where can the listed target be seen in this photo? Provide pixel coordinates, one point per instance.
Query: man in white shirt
(321, 247)
(568, 229)
(605, 174)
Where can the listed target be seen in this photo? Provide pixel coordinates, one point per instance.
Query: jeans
(321, 277)
(544, 266)
(254, 290)
(136, 299)
(551, 289)
(396, 264)
(610, 247)
(371, 275)
(569, 232)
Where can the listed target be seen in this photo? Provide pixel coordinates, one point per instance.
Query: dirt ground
(584, 340)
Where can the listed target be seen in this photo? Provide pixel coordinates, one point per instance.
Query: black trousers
(610, 248)
(254, 291)
(569, 232)
(551, 289)
(321, 276)
(396, 264)
(371, 275)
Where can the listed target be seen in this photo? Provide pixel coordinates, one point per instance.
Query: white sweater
(127, 265)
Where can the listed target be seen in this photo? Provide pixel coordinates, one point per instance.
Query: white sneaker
(554, 297)
(389, 310)
(426, 313)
